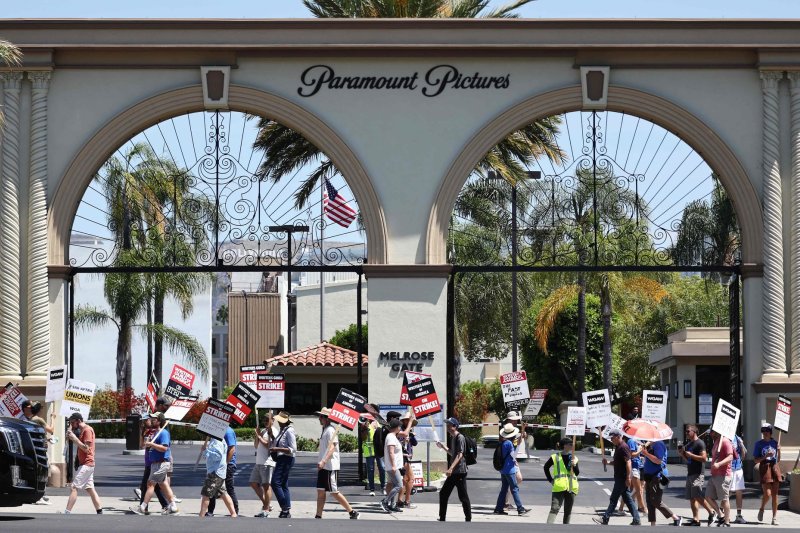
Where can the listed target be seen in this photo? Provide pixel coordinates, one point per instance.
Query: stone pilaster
(794, 275)
(10, 364)
(773, 332)
(38, 333)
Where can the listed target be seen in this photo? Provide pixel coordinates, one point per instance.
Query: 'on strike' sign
(515, 389)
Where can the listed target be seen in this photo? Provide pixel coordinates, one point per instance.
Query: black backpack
(497, 458)
(470, 450)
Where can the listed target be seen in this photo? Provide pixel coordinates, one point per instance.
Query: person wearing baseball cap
(767, 455)
(456, 472)
(622, 479)
(84, 474)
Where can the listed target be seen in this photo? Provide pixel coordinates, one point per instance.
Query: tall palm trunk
(158, 340)
(150, 338)
(581, 371)
(605, 310)
(124, 370)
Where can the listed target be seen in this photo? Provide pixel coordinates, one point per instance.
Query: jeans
(280, 481)
(627, 496)
(397, 485)
(459, 481)
(212, 503)
(653, 495)
(143, 487)
(370, 472)
(381, 472)
(508, 480)
(558, 499)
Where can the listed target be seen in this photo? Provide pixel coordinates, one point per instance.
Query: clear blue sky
(295, 9)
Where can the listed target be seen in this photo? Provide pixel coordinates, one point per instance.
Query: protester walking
(456, 472)
(31, 413)
(393, 463)
(637, 462)
(515, 419)
(767, 455)
(622, 479)
(261, 476)
(694, 452)
(367, 430)
(407, 444)
(737, 483)
(654, 472)
(162, 406)
(508, 472)
(216, 452)
(150, 429)
(230, 472)
(159, 450)
(82, 435)
(328, 465)
(284, 448)
(564, 482)
(719, 484)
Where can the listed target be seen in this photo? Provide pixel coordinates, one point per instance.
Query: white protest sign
(535, 405)
(77, 397)
(56, 381)
(726, 419)
(272, 391)
(11, 400)
(576, 421)
(416, 472)
(216, 419)
(615, 422)
(654, 405)
(180, 407)
(515, 389)
(598, 408)
(783, 412)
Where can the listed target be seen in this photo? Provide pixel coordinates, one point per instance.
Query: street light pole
(289, 229)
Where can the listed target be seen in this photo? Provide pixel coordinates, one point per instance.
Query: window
(303, 398)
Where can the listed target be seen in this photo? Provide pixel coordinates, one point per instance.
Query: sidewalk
(424, 512)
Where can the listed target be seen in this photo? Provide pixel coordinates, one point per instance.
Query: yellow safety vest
(563, 480)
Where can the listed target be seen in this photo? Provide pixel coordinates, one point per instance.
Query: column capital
(12, 80)
(40, 78)
(794, 79)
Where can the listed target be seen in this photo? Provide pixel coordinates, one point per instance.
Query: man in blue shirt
(216, 469)
(230, 441)
(158, 450)
(508, 474)
(655, 466)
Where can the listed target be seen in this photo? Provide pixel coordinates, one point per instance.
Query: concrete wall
(340, 310)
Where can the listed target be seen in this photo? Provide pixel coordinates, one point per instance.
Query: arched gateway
(405, 144)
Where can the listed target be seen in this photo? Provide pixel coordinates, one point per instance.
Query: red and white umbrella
(646, 430)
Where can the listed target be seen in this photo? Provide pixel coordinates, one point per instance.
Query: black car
(23, 462)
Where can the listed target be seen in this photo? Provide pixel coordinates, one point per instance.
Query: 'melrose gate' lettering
(417, 360)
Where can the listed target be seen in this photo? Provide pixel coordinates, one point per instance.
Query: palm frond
(10, 55)
(181, 344)
(551, 308)
(87, 318)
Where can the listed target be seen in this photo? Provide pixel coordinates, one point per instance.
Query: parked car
(23, 462)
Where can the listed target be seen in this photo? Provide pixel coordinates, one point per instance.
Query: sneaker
(711, 518)
(136, 509)
(761, 515)
(678, 521)
(385, 506)
(693, 522)
(410, 506)
(508, 507)
(523, 511)
(285, 514)
(720, 519)
(619, 513)
(100, 511)
(65, 512)
(739, 519)
(138, 493)
(774, 521)
(170, 511)
(503, 511)
(354, 515)
(723, 524)
(603, 521)
(400, 504)
(395, 509)
(440, 519)
(372, 493)
(636, 523)
(262, 514)
(208, 515)
(178, 500)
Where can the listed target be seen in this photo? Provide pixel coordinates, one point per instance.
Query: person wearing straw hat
(508, 473)
(622, 479)
(261, 476)
(328, 465)
(565, 481)
(767, 455)
(515, 419)
(283, 450)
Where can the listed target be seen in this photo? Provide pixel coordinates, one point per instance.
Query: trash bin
(133, 432)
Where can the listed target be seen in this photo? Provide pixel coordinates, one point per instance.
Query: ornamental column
(9, 231)
(773, 332)
(794, 275)
(38, 334)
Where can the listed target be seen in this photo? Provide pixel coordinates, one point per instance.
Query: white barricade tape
(119, 420)
(495, 424)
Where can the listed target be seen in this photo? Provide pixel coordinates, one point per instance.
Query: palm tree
(286, 151)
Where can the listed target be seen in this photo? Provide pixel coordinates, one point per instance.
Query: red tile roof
(323, 354)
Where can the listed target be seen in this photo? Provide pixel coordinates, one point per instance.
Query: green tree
(222, 315)
(348, 338)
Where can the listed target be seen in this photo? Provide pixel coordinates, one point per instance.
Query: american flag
(335, 206)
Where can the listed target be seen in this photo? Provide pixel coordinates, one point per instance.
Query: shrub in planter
(348, 443)
(307, 445)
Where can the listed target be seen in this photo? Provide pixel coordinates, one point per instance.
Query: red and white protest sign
(515, 389)
(271, 389)
(409, 377)
(180, 382)
(11, 399)
(416, 471)
(151, 394)
(249, 374)
(783, 412)
(215, 419)
(180, 407)
(347, 408)
(535, 405)
(424, 400)
(243, 399)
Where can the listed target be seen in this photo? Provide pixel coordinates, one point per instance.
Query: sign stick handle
(199, 455)
(256, 419)
(603, 448)
(780, 432)
(796, 461)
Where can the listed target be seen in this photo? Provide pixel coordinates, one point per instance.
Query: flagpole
(322, 260)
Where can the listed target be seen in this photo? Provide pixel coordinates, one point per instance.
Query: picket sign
(783, 411)
(576, 422)
(495, 424)
(121, 420)
(515, 390)
(725, 421)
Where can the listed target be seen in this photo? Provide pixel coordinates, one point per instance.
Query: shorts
(83, 478)
(738, 480)
(694, 486)
(635, 473)
(326, 480)
(261, 474)
(719, 488)
(158, 472)
(213, 486)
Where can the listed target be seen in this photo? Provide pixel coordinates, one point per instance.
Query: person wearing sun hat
(515, 419)
(508, 473)
(328, 464)
(283, 451)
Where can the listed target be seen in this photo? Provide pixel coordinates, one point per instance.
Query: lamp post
(530, 174)
(289, 229)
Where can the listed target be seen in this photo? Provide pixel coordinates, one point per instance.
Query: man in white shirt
(328, 466)
(393, 464)
(261, 476)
